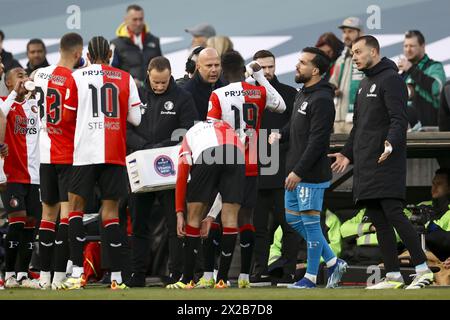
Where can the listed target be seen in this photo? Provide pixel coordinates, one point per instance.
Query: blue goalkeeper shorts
(306, 197)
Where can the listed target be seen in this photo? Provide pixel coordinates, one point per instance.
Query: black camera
(420, 216)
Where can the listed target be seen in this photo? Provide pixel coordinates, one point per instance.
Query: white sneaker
(29, 283)
(44, 285)
(421, 280)
(58, 285)
(11, 282)
(387, 284)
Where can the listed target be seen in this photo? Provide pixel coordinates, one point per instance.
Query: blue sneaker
(303, 283)
(335, 273)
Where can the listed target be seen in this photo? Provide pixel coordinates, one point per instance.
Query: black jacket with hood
(380, 114)
(309, 133)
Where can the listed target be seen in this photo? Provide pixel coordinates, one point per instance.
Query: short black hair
(321, 60)
(370, 41)
(417, 34)
(135, 7)
(36, 41)
(263, 54)
(160, 64)
(2, 35)
(69, 41)
(98, 48)
(233, 63)
(445, 171)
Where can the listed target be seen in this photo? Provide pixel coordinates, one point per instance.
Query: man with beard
(377, 148)
(307, 165)
(345, 77)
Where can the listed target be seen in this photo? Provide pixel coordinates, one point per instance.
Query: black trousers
(141, 205)
(387, 214)
(272, 200)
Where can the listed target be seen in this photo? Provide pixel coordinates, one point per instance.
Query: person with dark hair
(206, 79)
(437, 228)
(190, 66)
(169, 108)
(107, 98)
(332, 46)
(36, 52)
(242, 105)
(346, 77)
(21, 167)
(424, 78)
(7, 58)
(271, 187)
(134, 46)
(377, 148)
(307, 165)
(56, 141)
(8, 62)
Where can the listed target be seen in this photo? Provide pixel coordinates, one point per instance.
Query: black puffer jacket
(174, 109)
(380, 114)
(129, 57)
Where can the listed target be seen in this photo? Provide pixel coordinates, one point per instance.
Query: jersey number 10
(108, 100)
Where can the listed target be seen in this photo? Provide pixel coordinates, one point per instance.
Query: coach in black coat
(377, 148)
(380, 115)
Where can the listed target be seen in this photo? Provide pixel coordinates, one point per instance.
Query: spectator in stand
(135, 46)
(222, 44)
(424, 78)
(200, 34)
(333, 47)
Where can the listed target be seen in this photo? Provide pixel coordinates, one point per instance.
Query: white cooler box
(153, 169)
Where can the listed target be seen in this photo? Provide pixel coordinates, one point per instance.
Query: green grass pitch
(104, 293)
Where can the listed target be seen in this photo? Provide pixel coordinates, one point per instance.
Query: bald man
(206, 79)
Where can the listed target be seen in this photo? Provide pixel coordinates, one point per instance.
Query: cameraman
(437, 229)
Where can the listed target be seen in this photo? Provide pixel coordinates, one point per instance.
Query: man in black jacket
(36, 54)
(309, 170)
(168, 108)
(271, 187)
(206, 79)
(135, 46)
(8, 62)
(377, 148)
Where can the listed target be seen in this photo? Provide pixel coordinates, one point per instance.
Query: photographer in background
(435, 215)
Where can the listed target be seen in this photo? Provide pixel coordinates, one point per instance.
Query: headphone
(191, 64)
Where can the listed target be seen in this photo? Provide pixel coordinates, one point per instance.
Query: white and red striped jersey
(105, 97)
(22, 137)
(241, 105)
(53, 85)
(202, 136)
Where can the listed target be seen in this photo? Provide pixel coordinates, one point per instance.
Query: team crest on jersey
(34, 109)
(14, 202)
(168, 105)
(164, 166)
(303, 107)
(372, 90)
